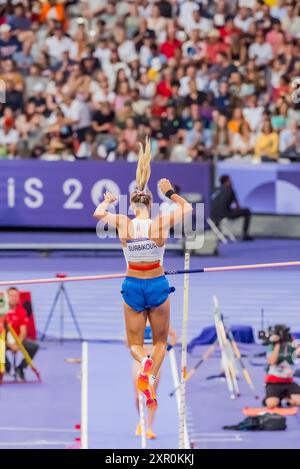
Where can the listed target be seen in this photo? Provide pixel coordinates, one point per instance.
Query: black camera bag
(265, 422)
(271, 422)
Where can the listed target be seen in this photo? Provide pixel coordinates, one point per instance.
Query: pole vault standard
(273, 265)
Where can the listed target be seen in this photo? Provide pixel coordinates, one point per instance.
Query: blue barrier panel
(268, 188)
(64, 194)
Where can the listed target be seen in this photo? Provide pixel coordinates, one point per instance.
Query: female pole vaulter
(145, 289)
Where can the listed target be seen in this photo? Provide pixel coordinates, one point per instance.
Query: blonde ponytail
(143, 170)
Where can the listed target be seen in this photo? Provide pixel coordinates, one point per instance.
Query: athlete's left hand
(165, 185)
(109, 197)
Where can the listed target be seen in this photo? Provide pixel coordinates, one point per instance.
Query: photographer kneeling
(282, 355)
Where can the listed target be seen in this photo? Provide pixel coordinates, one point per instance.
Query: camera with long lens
(280, 330)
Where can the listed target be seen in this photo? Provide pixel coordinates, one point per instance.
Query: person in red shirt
(168, 48)
(164, 87)
(17, 318)
(214, 46)
(229, 32)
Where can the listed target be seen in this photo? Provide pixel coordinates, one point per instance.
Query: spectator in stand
(243, 20)
(164, 87)
(199, 23)
(126, 47)
(103, 123)
(14, 93)
(291, 19)
(130, 133)
(194, 47)
(179, 152)
(122, 96)
(221, 146)
(121, 153)
(38, 98)
(237, 120)
(8, 139)
(171, 44)
(279, 119)
(170, 124)
(186, 10)
(223, 100)
(276, 37)
(58, 43)
(267, 144)
(9, 44)
(289, 141)
(253, 113)
(53, 11)
(17, 318)
(76, 112)
(156, 22)
(215, 46)
(11, 74)
(242, 143)
(198, 142)
(86, 148)
(260, 50)
(143, 57)
(21, 26)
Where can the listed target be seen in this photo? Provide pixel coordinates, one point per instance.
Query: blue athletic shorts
(143, 294)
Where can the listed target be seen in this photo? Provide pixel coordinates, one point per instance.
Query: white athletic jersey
(141, 248)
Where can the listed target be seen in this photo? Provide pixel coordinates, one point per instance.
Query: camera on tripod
(280, 330)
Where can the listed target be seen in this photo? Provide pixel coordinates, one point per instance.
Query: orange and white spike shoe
(151, 401)
(150, 434)
(143, 376)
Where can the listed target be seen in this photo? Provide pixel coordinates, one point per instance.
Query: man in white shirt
(59, 43)
(102, 51)
(198, 21)
(260, 50)
(186, 12)
(77, 114)
(145, 7)
(291, 21)
(243, 20)
(194, 48)
(289, 140)
(126, 47)
(191, 74)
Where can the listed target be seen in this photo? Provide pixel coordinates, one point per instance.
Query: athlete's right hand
(165, 185)
(109, 197)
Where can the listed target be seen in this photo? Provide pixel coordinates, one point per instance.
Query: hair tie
(141, 192)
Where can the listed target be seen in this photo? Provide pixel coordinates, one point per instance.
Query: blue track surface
(98, 305)
(43, 415)
(112, 416)
(210, 408)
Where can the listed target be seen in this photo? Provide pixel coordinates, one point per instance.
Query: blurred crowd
(88, 79)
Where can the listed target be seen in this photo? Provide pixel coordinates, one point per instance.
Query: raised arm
(164, 222)
(114, 220)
